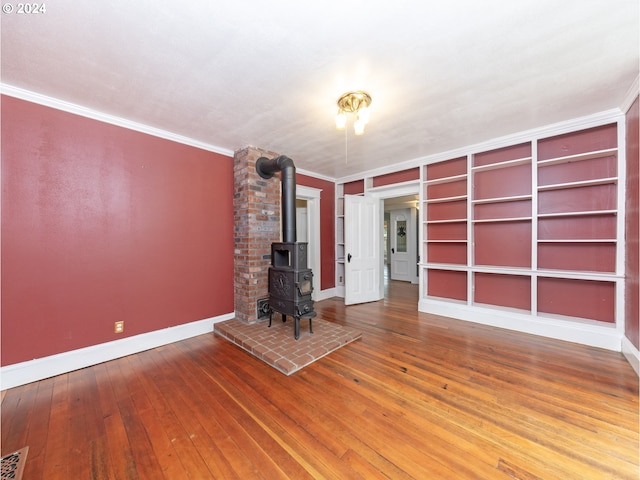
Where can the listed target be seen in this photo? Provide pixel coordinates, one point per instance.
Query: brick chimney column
(256, 205)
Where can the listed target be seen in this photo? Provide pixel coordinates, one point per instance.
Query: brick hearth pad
(276, 346)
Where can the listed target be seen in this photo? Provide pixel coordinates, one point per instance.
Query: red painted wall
(397, 177)
(101, 223)
(327, 228)
(354, 188)
(632, 297)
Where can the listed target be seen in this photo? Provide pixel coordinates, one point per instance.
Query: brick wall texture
(256, 203)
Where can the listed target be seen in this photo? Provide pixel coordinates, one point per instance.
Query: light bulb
(363, 115)
(341, 120)
(358, 127)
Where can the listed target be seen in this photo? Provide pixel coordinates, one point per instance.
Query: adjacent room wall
(102, 224)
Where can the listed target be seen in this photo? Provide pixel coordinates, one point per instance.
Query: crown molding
(315, 175)
(631, 95)
(73, 108)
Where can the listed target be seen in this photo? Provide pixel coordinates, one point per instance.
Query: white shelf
(513, 198)
(445, 266)
(582, 183)
(453, 178)
(523, 271)
(578, 157)
(577, 214)
(445, 241)
(581, 240)
(446, 199)
(453, 220)
(578, 275)
(509, 219)
(505, 164)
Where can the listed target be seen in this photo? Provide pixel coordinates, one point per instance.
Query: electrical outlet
(118, 327)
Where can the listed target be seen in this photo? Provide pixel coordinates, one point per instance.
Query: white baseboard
(41, 368)
(583, 332)
(632, 354)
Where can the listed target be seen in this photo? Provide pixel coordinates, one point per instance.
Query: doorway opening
(401, 248)
(400, 238)
(308, 230)
(366, 274)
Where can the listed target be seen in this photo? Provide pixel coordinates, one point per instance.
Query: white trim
(586, 333)
(305, 192)
(51, 102)
(40, 368)
(395, 190)
(631, 354)
(315, 175)
(631, 95)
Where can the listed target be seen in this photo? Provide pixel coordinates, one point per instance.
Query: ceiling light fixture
(357, 103)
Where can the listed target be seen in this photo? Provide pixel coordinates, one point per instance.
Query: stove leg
(270, 317)
(284, 318)
(297, 328)
(310, 326)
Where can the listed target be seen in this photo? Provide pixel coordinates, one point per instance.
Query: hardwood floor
(418, 396)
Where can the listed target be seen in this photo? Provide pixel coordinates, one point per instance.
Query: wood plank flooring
(418, 396)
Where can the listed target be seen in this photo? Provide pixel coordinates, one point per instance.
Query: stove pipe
(266, 167)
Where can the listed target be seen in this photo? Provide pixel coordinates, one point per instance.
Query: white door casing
(363, 249)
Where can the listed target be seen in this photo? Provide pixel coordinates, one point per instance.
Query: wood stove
(290, 279)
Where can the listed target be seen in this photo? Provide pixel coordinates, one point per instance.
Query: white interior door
(363, 249)
(400, 235)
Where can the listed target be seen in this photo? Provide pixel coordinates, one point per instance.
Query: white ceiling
(442, 75)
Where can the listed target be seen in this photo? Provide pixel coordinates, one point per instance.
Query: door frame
(394, 191)
(312, 197)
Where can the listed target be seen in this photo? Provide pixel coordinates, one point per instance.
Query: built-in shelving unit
(578, 223)
(532, 229)
(445, 207)
(340, 238)
(526, 235)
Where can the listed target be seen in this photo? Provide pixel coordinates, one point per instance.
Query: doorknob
(348, 258)
(393, 250)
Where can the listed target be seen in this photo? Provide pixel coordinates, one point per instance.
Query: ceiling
(442, 75)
